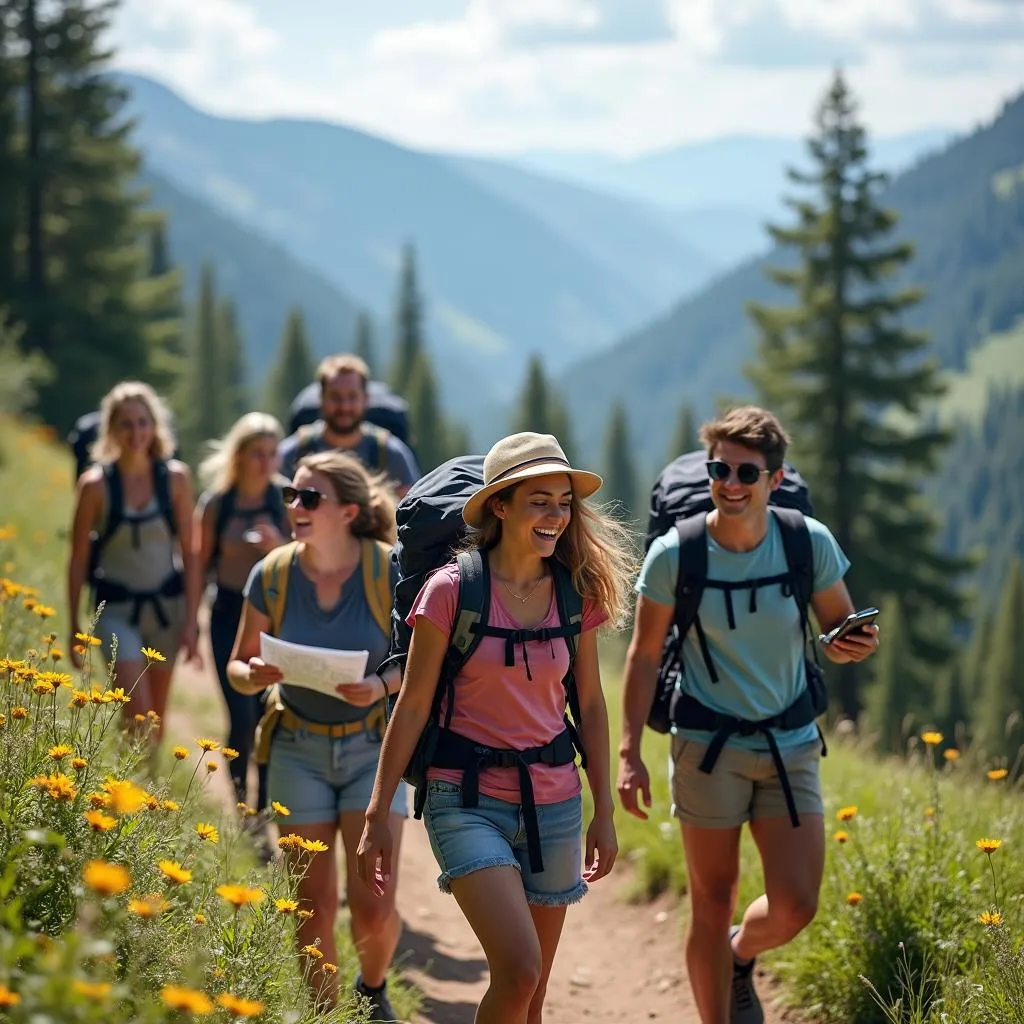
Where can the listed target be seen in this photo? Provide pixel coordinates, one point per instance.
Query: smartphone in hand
(852, 622)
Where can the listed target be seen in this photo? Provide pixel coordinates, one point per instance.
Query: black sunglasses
(746, 472)
(308, 497)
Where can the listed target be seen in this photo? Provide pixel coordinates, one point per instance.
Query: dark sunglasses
(746, 472)
(308, 497)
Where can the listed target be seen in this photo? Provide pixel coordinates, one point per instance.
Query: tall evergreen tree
(1000, 723)
(200, 402)
(685, 438)
(363, 345)
(833, 362)
(293, 368)
(889, 699)
(80, 229)
(952, 708)
(409, 336)
(162, 289)
(540, 408)
(12, 160)
(231, 372)
(428, 427)
(620, 477)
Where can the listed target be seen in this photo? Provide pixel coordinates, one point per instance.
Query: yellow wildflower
(208, 745)
(932, 739)
(989, 846)
(229, 753)
(996, 774)
(952, 754)
(180, 753)
(43, 687)
(207, 832)
(314, 846)
(78, 763)
(240, 895)
(854, 898)
(125, 796)
(149, 906)
(991, 918)
(841, 836)
(313, 951)
(102, 876)
(170, 805)
(211, 767)
(100, 822)
(79, 698)
(99, 799)
(286, 906)
(8, 998)
(199, 919)
(239, 1007)
(847, 813)
(186, 1000)
(280, 809)
(44, 611)
(140, 718)
(57, 785)
(245, 809)
(92, 989)
(174, 872)
(88, 639)
(3, 720)
(290, 841)
(57, 678)
(328, 968)
(305, 915)
(151, 654)
(56, 654)
(59, 752)
(19, 712)
(929, 812)
(117, 694)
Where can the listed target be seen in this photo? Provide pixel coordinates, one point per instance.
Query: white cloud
(613, 75)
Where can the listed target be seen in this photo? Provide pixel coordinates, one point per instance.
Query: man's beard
(344, 424)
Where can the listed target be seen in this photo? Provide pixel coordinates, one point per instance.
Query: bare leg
(713, 866)
(495, 906)
(376, 926)
(793, 861)
(548, 921)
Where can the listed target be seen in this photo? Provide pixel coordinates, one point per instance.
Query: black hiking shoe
(381, 1010)
(745, 1007)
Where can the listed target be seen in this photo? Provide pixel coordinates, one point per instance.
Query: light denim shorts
(468, 839)
(116, 621)
(317, 777)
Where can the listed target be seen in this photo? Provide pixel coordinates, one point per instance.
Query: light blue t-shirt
(760, 663)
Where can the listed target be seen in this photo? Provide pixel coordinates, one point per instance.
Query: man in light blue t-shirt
(742, 662)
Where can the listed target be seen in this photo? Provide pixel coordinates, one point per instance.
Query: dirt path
(616, 963)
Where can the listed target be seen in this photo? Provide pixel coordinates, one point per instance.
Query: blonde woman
(131, 540)
(506, 824)
(239, 519)
(331, 588)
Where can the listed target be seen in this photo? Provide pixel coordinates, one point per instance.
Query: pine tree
(976, 657)
(162, 287)
(231, 372)
(199, 404)
(541, 409)
(12, 162)
(952, 708)
(77, 281)
(409, 338)
(293, 368)
(889, 699)
(831, 364)
(685, 438)
(428, 428)
(1000, 727)
(620, 478)
(363, 345)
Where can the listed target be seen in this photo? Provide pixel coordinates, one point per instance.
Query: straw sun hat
(519, 457)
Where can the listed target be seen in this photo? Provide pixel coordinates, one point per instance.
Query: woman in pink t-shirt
(508, 838)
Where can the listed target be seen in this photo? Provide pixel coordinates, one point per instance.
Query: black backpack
(83, 435)
(273, 506)
(430, 530)
(384, 409)
(681, 497)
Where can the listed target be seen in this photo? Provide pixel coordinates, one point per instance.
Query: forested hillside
(963, 209)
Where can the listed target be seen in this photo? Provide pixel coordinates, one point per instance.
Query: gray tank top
(141, 553)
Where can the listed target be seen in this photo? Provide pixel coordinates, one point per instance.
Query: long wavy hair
(219, 470)
(354, 484)
(105, 448)
(598, 551)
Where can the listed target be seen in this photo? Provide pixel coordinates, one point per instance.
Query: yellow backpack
(376, 569)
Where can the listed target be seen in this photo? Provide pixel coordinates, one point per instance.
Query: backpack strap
(376, 560)
(115, 516)
(570, 613)
(379, 435)
(274, 573)
(796, 542)
(691, 580)
(308, 436)
(225, 510)
(162, 490)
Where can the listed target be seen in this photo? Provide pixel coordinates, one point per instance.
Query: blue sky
(613, 76)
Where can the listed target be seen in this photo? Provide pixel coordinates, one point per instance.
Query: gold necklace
(529, 593)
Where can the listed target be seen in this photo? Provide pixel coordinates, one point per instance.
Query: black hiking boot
(745, 1007)
(381, 1010)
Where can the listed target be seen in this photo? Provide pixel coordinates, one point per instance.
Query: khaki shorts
(743, 786)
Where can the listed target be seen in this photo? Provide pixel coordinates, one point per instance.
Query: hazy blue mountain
(500, 280)
(260, 276)
(963, 208)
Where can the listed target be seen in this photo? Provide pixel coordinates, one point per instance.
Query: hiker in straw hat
(506, 828)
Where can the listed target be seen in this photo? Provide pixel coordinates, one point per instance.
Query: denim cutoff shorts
(317, 777)
(468, 839)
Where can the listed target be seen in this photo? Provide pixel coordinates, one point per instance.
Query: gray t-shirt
(397, 460)
(348, 626)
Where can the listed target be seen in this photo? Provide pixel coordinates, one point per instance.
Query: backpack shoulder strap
(162, 490)
(570, 606)
(376, 562)
(308, 435)
(796, 542)
(114, 517)
(275, 506)
(474, 603)
(276, 566)
(379, 436)
(225, 510)
(693, 569)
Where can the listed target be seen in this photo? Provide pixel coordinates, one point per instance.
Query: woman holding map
(328, 591)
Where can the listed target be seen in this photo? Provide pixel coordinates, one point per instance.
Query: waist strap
(689, 713)
(368, 723)
(116, 593)
(455, 751)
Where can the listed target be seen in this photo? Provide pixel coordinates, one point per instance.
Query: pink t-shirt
(497, 705)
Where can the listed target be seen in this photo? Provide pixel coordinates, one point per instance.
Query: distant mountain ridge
(963, 208)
